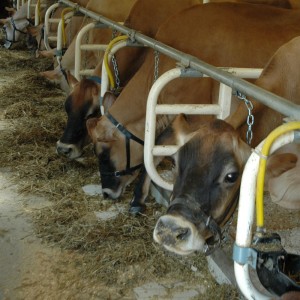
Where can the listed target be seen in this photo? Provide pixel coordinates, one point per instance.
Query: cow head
(119, 153)
(14, 29)
(210, 163)
(81, 104)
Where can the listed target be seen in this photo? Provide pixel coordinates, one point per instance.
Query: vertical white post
(80, 35)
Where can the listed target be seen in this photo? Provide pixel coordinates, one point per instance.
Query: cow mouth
(109, 193)
(178, 235)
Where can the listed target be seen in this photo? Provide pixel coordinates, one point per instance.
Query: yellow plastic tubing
(106, 64)
(262, 167)
(64, 11)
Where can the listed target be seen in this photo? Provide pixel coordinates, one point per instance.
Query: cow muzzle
(70, 151)
(178, 235)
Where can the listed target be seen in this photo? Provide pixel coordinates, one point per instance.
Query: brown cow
(72, 27)
(91, 59)
(113, 9)
(16, 26)
(145, 17)
(225, 34)
(210, 164)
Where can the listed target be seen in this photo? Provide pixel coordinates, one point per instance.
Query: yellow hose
(64, 11)
(106, 64)
(262, 167)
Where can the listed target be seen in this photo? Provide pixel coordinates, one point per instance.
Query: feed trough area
(57, 241)
(59, 238)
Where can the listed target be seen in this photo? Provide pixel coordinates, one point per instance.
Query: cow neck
(128, 136)
(130, 108)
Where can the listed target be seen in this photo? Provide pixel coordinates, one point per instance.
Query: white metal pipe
(52, 38)
(245, 284)
(79, 37)
(224, 105)
(190, 109)
(92, 47)
(86, 72)
(17, 5)
(28, 9)
(249, 73)
(150, 126)
(47, 24)
(59, 46)
(36, 14)
(164, 150)
(246, 212)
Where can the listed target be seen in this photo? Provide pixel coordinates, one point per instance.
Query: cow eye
(231, 177)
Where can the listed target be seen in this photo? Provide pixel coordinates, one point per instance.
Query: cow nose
(169, 232)
(64, 150)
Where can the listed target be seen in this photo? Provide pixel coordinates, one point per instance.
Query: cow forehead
(82, 93)
(211, 140)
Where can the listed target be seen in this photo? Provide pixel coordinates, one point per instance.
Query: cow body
(225, 34)
(83, 100)
(210, 163)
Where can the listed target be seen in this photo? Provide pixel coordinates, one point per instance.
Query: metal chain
(85, 52)
(114, 34)
(116, 71)
(115, 64)
(156, 64)
(69, 31)
(250, 117)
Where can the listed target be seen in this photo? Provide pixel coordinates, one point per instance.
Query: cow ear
(91, 125)
(4, 21)
(98, 131)
(181, 129)
(51, 75)
(34, 30)
(11, 10)
(108, 100)
(243, 150)
(71, 80)
(280, 163)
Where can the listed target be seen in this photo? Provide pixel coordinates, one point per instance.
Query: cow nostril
(63, 150)
(182, 233)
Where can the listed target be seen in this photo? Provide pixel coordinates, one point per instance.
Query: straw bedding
(119, 252)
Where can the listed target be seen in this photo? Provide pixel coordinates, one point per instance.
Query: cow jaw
(178, 235)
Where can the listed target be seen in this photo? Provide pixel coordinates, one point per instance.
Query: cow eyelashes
(231, 177)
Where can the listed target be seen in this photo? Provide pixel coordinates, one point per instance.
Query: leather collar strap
(121, 128)
(96, 79)
(129, 136)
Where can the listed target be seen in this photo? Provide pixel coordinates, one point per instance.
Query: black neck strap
(129, 136)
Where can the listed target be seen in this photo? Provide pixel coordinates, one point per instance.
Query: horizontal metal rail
(271, 100)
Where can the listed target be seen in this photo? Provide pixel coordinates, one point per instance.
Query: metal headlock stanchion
(190, 64)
